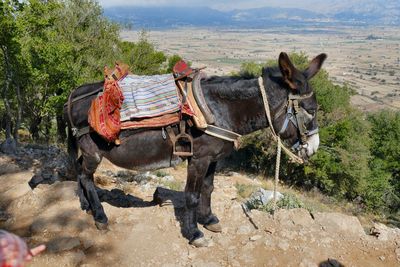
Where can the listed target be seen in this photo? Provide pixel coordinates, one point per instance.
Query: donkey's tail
(72, 143)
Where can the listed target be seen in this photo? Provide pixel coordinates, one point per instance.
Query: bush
(288, 201)
(385, 149)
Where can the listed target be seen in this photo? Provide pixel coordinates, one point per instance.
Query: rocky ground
(142, 234)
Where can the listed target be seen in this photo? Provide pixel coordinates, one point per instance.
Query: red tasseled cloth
(104, 113)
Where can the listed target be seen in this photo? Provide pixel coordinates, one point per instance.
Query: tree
(9, 51)
(385, 149)
(142, 57)
(66, 43)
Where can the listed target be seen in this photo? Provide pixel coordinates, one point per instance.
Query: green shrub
(385, 149)
(288, 201)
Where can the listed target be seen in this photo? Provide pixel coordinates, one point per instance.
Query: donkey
(237, 105)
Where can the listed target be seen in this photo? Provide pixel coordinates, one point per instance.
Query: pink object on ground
(13, 250)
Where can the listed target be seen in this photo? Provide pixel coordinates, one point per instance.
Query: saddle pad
(148, 96)
(156, 122)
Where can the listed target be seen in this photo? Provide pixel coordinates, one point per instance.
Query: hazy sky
(315, 5)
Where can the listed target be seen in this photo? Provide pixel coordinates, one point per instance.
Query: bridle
(298, 117)
(294, 114)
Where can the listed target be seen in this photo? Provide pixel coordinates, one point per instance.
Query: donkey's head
(295, 120)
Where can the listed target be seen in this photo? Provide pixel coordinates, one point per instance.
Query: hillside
(142, 234)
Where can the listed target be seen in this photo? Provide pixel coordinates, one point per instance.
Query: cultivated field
(368, 59)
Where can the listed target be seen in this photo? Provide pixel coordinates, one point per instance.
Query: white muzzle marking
(312, 144)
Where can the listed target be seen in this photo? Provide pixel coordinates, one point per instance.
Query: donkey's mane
(239, 88)
(87, 88)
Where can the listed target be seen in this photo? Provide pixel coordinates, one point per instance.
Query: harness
(294, 114)
(78, 132)
(297, 116)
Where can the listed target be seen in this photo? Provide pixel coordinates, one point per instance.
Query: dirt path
(143, 235)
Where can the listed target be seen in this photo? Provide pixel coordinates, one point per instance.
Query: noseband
(297, 116)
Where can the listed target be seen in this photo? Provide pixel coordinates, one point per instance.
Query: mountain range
(370, 12)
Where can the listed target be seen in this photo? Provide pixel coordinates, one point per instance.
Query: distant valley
(369, 13)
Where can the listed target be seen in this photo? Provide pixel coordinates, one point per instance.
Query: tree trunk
(61, 133)
(47, 126)
(19, 114)
(9, 144)
(34, 128)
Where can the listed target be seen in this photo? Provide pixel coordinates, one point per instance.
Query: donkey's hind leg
(91, 158)
(85, 206)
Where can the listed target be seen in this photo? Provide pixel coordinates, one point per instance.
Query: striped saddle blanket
(148, 96)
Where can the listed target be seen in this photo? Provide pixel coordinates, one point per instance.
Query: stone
(255, 237)
(17, 191)
(223, 240)
(201, 263)
(307, 263)
(385, 233)
(262, 197)
(87, 243)
(9, 146)
(397, 252)
(326, 240)
(292, 217)
(269, 242)
(63, 244)
(283, 244)
(244, 229)
(76, 258)
(336, 222)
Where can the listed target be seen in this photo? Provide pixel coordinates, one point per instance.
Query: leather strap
(75, 131)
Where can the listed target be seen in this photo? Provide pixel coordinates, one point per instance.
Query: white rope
(277, 165)
(280, 146)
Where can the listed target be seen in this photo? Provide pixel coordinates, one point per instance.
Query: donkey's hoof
(102, 226)
(200, 242)
(156, 198)
(216, 227)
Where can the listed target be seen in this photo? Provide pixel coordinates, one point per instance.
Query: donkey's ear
(315, 66)
(287, 69)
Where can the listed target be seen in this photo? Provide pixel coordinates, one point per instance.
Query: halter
(294, 114)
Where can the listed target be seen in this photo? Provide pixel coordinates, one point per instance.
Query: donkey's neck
(236, 103)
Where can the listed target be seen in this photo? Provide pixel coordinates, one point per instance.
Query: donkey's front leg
(197, 169)
(205, 215)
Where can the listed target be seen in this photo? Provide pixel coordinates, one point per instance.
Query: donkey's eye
(299, 84)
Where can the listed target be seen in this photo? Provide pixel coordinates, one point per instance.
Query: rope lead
(277, 166)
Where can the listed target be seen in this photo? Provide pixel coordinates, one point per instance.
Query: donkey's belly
(145, 150)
